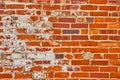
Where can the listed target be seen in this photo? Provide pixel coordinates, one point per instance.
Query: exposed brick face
(59, 39)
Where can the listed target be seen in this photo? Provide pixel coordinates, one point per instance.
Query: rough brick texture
(59, 39)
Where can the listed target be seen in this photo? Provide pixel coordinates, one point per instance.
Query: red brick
(108, 31)
(79, 1)
(34, 18)
(89, 7)
(15, 6)
(2, 5)
(21, 12)
(99, 62)
(1, 69)
(34, 6)
(80, 62)
(99, 75)
(107, 8)
(2, 12)
(79, 37)
(70, 7)
(79, 26)
(61, 25)
(80, 74)
(49, 7)
(109, 69)
(89, 43)
(111, 56)
(98, 13)
(114, 37)
(61, 74)
(33, 43)
(98, 2)
(115, 75)
(99, 50)
(25, 0)
(59, 50)
(57, 37)
(5, 75)
(99, 37)
(67, 19)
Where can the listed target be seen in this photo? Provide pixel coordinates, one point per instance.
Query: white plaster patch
(21, 62)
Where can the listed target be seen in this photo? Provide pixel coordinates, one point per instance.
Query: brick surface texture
(59, 39)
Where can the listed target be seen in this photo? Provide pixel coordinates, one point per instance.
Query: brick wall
(59, 39)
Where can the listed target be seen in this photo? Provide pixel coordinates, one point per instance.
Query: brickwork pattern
(59, 39)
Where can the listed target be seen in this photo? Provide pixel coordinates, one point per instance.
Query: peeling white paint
(22, 62)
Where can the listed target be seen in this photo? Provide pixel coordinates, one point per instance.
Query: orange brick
(69, 56)
(94, 31)
(84, 31)
(53, 19)
(23, 75)
(98, 2)
(26, 37)
(21, 30)
(89, 68)
(53, 68)
(61, 74)
(78, 56)
(110, 19)
(98, 13)
(88, 7)
(108, 44)
(99, 19)
(98, 25)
